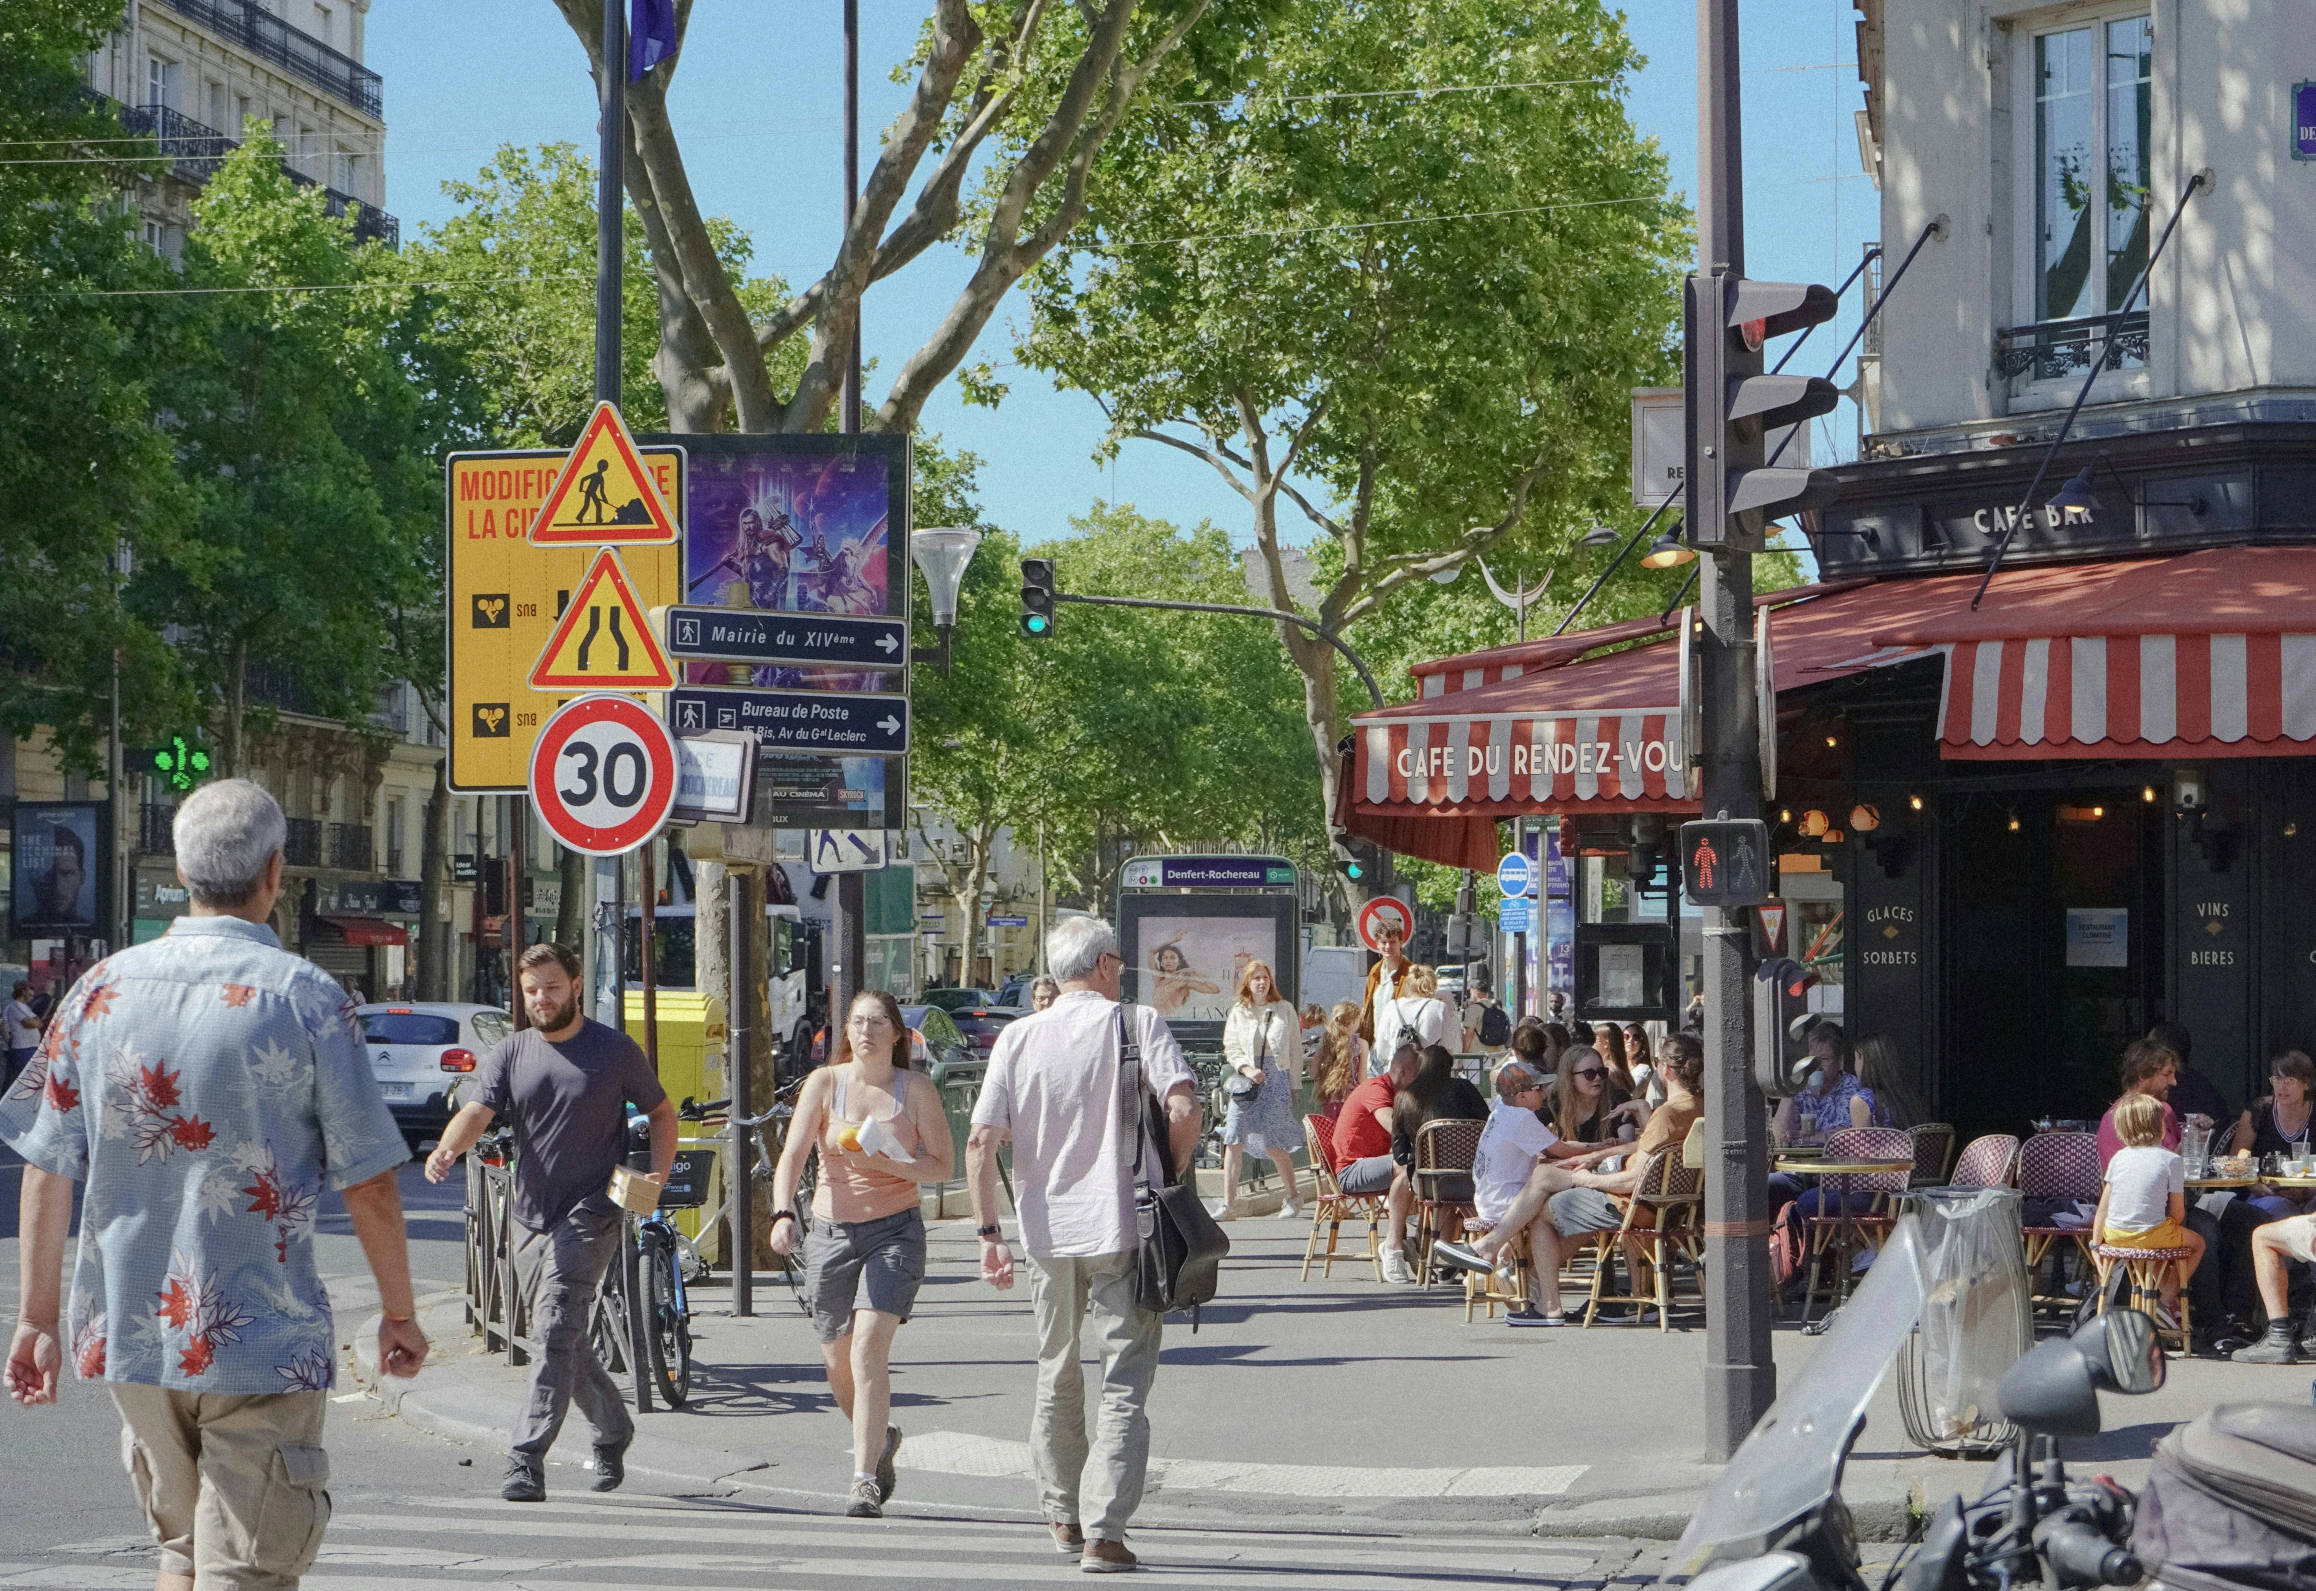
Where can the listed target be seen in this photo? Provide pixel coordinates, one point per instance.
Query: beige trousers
(234, 1488)
(1095, 1483)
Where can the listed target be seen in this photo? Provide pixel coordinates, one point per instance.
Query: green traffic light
(1035, 624)
(1354, 870)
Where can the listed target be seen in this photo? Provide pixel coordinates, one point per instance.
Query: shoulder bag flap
(1181, 1249)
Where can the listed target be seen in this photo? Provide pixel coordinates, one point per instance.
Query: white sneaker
(1395, 1267)
(1222, 1211)
(1291, 1210)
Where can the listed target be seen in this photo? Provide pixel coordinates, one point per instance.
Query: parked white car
(420, 1050)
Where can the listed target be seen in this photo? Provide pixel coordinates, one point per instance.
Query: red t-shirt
(1358, 1134)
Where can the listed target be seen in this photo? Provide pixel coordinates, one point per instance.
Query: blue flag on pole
(651, 36)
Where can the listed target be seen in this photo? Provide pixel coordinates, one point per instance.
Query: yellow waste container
(692, 1040)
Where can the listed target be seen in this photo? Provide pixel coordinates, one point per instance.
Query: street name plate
(862, 724)
(742, 635)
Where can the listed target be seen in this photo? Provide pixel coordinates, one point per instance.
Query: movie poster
(1191, 965)
(803, 524)
(56, 865)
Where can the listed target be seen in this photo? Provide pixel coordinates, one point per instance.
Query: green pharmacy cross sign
(181, 763)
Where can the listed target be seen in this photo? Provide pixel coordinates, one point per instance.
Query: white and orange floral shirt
(202, 1087)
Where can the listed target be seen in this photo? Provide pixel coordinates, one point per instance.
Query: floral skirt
(1269, 1123)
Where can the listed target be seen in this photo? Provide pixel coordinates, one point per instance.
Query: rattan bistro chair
(2148, 1269)
(1989, 1161)
(1656, 1218)
(1444, 1151)
(1331, 1207)
(2061, 1167)
(1933, 1147)
(1837, 1228)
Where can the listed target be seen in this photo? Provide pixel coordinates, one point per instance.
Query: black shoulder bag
(1181, 1249)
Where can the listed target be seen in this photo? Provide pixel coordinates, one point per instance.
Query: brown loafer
(1068, 1539)
(1107, 1557)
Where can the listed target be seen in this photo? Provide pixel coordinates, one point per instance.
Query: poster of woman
(1193, 965)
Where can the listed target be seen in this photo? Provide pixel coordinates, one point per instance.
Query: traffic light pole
(1741, 1377)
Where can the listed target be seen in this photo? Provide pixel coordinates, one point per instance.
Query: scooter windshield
(1793, 1460)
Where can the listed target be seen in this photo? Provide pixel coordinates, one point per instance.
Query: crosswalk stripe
(957, 1453)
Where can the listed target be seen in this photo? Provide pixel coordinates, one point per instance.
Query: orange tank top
(850, 1188)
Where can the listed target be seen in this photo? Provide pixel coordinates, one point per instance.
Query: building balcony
(266, 36)
(349, 846)
(2059, 348)
(303, 847)
(155, 836)
(195, 151)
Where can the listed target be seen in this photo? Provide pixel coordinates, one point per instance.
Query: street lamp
(941, 553)
(1666, 552)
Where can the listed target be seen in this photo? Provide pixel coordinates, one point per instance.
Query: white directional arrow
(889, 724)
(887, 644)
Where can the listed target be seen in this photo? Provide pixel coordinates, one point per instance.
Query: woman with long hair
(1342, 1059)
(1640, 1059)
(1261, 1051)
(1608, 1038)
(1583, 1110)
(1894, 1103)
(882, 1135)
(1435, 1094)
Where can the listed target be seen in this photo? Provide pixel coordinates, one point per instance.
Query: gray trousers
(1097, 1483)
(561, 1268)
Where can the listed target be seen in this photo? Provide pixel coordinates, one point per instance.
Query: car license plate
(397, 1090)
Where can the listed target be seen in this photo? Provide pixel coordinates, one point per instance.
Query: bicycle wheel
(667, 1334)
(792, 1267)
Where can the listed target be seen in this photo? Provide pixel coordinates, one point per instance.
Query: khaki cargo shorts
(236, 1489)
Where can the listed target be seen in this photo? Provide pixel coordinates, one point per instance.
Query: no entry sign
(1384, 909)
(603, 774)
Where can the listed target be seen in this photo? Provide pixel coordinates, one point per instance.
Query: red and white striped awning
(2147, 695)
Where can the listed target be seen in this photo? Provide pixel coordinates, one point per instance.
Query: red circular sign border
(549, 747)
(1397, 906)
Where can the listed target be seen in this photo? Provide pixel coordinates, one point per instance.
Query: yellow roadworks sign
(604, 495)
(505, 596)
(604, 640)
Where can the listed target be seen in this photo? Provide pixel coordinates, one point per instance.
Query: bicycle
(780, 1115)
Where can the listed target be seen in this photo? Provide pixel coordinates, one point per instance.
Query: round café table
(1814, 1164)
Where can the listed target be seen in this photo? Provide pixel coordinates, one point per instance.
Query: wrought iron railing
(350, 846)
(303, 847)
(155, 836)
(257, 30)
(195, 150)
(2058, 348)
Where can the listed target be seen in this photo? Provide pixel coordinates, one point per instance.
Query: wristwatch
(782, 1215)
(990, 1232)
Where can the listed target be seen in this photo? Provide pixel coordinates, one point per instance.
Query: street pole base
(1742, 1394)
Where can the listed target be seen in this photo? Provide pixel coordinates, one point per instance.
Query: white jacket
(1243, 1037)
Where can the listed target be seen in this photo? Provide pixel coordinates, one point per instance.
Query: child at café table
(2143, 1202)
(1512, 1144)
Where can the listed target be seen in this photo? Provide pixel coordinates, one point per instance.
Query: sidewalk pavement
(1336, 1405)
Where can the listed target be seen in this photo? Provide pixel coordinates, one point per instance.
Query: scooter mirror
(2054, 1390)
(2134, 1354)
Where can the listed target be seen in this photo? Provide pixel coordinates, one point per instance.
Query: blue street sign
(1516, 875)
(856, 724)
(1009, 922)
(2304, 121)
(741, 635)
(1515, 916)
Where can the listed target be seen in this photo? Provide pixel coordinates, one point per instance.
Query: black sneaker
(610, 1466)
(526, 1480)
(1532, 1316)
(2273, 1348)
(887, 1476)
(1457, 1256)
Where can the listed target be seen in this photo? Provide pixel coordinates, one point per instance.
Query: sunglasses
(1592, 1071)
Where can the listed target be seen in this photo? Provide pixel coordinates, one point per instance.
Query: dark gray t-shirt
(570, 1107)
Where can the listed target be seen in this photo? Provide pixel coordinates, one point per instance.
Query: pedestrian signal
(1038, 596)
(1726, 862)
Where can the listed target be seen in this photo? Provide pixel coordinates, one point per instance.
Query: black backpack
(1495, 1026)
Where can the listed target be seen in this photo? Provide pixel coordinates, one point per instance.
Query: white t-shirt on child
(1509, 1146)
(2140, 1181)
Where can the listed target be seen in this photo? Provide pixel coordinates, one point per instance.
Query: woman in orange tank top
(882, 1135)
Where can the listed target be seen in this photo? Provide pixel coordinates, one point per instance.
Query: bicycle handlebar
(691, 1110)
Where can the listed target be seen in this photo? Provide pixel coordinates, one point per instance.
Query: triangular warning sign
(604, 494)
(1772, 925)
(603, 640)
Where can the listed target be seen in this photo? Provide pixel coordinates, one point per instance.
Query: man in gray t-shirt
(568, 1081)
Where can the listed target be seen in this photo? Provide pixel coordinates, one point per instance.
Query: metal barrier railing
(496, 1308)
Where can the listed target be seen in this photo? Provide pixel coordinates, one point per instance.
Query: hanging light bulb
(1814, 823)
(1915, 802)
(1666, 552)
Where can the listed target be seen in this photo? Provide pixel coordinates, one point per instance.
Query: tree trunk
(236, 707)
(434, 891)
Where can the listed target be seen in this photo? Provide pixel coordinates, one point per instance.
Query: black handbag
(1178, 1263)
(1242, 1088)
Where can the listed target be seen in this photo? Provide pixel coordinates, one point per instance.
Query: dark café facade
(2027, 831)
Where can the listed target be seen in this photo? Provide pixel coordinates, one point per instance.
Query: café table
(1813, 1163)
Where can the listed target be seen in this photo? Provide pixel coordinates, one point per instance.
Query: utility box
(693, 1038)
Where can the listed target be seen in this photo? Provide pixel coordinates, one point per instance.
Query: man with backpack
(1487, 1025)
(1056, 1091)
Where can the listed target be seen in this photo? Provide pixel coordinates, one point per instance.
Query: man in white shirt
(1053, 1092)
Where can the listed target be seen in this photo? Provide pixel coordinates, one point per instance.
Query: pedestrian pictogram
(604, 639)
(603, 774)
(1726, 862)
(604, 494)
(844, 850)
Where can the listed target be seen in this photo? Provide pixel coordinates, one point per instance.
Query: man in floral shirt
(202, 1088)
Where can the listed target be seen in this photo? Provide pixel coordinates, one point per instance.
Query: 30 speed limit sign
(603, 774)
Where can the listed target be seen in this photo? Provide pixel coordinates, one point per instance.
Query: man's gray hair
(225, 835)
(1076, 945)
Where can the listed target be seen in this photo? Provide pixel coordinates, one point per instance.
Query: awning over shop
(367, 931)
(2207, 654)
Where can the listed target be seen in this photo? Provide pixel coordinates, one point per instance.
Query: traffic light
(1732, 405)
(1725, 862)
(1366, 865)
(181, 764)
(1037, 598)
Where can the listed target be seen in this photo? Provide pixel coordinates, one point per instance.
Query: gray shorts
(854, 1265)
(1576, 1210)
(1371, 1175)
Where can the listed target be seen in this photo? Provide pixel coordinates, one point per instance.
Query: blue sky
(758, 106)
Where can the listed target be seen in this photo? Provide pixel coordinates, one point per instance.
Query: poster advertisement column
(1559, 919)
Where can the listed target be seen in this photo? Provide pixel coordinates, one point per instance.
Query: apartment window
(213, 105)
(241, 115)
(2092, 89)
(341, 171)
(160, 82)
(394, 837)
(326, 26)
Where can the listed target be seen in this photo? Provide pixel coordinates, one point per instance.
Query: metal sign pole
(739, 1077)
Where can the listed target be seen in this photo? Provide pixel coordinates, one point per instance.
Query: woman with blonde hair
(1415, 1015)
(1341, 1061)
(1261, 1052)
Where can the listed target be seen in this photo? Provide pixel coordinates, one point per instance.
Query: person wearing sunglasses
(1585, 1107)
